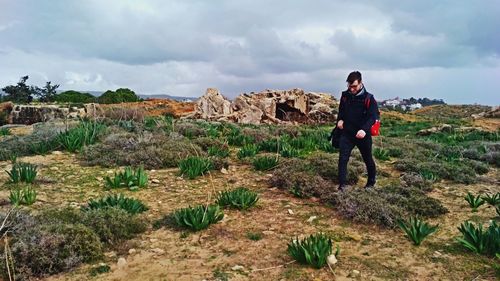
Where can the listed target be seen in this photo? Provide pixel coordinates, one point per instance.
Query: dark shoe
(369, 186)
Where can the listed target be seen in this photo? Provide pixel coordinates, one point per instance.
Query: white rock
(237, 267)
(223, 170)
(332, 260)
(290, 211)
(122, 262)
(311, 218)
(354, 273)
(57, 152)
(155, 181)
(132, 251)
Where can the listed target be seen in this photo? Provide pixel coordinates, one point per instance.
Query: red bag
(375, 129)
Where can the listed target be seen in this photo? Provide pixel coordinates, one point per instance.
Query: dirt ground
(224, 251)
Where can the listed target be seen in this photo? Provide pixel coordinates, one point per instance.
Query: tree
(20, 93)
(47, 93)
(120, 95)
(75, 97)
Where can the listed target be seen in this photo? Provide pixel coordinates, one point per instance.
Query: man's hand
(360, 134)
(340, 124)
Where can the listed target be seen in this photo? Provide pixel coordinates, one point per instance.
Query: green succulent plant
(313, 250)
(241, 198)
(416, 229)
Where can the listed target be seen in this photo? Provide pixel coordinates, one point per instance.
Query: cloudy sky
(447, 49)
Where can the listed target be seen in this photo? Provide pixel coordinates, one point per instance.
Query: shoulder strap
(367, 100)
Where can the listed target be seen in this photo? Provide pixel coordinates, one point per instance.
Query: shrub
(118, 96)
(206, 142)
(133, 179)
(22, 172)
(265, 163)
(416, 180)
(288, 151)
(248, 150)
(130, 205)
(474, 201)
(326, 165)
(86, 133)
(479, 241)
(194, 166)
(313, 250)
(416, 230)
(74, 97)
(270, 145)
(492, 199)
(151, 150)
(25, 196)
(395, 152)
(113, 224)
(218, 151)
(384, 206)
(198, 217)
(190, 129)
(240, 198)
(4, 132)
(381, 154)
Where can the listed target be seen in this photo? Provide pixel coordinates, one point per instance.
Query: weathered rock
(269, 106)
(122, 262)
(433, 130)
(30, 114)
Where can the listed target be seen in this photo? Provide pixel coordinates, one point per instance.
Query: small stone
(224, 171)
(132, 251)
(73, 205)
(311, 218)
(158, 251)
(437, 254)
(110, 171)
(268, 232)
(354, 273)
(237, 267)
(153, 240)
(155, 181)
(332, 260)
(57, 152)
(54, 168)
(290, 211)
(122, 262)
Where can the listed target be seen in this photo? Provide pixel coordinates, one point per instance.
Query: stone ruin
(269, 106)
(31, 114)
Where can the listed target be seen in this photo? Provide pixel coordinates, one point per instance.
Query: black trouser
(365, 147)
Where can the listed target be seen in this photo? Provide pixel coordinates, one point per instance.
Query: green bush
(326, 165)
(74, 97)
(416, 230)
(241, 198)
(130, 205)
(381, 154)
(217, 151)
(198, 217)
(132, 179)
(265, 163)
(474, 201)
(25, 196)
(270, 145)
(194, 166)
(313, 250)
(4, 132)
(118, 96)
(86, 133)
(481, 242)
(22, 172)
(248, 150)
(288, 151)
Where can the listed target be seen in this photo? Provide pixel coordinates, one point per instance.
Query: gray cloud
(183, 47)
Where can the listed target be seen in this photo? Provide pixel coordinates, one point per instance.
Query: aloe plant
(313, 250)
(22, 172)
(133, 179)
(131, 205)
(474, 201)
(222, 152)
(265, 163)
(289, 151)
(381, 154)
(416, 230)
(492, 199)
(478, 240)
(25, 196)
(198, 217)
(194, 166)
(498, 210)
(248, 150)
(241, 198)
(85, 133)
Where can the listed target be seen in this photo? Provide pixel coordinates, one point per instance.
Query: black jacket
(356, 115)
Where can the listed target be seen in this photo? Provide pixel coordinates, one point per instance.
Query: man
(355, 118)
